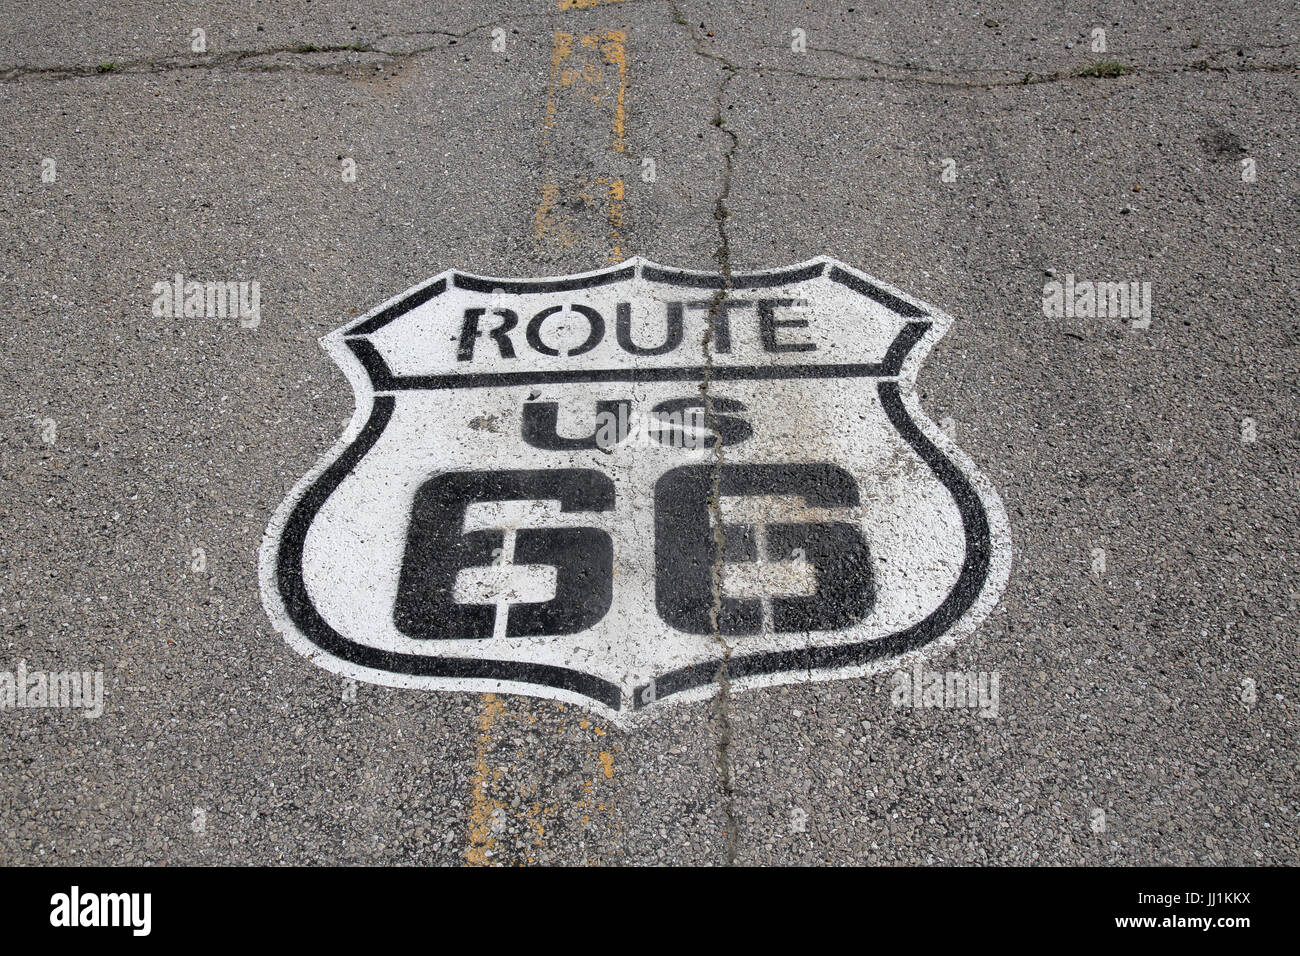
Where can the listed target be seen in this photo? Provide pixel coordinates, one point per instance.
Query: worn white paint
(908, 518)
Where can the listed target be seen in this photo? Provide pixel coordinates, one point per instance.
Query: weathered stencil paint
(536, 487)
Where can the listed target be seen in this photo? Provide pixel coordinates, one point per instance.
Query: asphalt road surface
(339, 153)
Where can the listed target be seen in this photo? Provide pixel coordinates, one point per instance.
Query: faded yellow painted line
(589, 73)
(482, 807)
(502, 791)
(583, 4)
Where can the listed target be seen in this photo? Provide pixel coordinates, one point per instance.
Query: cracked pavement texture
(1121, 691)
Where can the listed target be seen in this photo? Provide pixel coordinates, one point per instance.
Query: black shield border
(304, 615)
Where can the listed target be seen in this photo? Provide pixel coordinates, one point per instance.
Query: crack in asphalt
(908, 73)
(722, 702)
(899, 73)
(233, 59)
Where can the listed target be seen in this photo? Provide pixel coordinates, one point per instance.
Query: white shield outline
(985, 569)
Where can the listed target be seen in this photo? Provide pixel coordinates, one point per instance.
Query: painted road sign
(598, 488)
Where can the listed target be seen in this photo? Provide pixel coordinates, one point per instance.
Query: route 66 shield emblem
(621, 487)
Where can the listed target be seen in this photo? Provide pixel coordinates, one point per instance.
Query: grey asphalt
(1121, 690)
